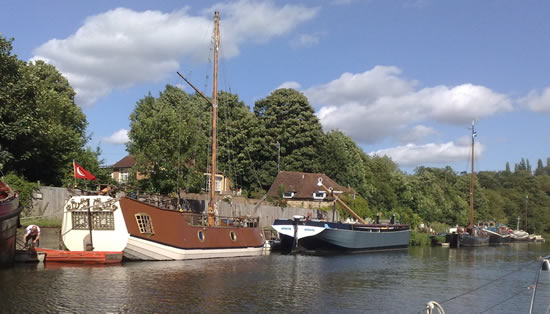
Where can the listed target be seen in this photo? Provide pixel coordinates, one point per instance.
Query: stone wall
(49, 203)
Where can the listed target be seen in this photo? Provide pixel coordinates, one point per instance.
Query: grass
(41, 222)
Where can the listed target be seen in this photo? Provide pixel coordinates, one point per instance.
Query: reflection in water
(401, 282)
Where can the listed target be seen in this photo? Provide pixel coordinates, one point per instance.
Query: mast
(471, 225)
(211, 214)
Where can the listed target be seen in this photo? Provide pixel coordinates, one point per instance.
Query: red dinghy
(86, 257)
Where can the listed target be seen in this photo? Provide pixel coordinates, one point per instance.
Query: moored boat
(9, 221)
(107, 232)
(473, 236)
(321, 236)
(167, 234)
(158, 233)
(81, 257)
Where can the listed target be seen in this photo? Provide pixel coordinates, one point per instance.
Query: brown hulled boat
(9, 220)
(158, 233)
(166, 234)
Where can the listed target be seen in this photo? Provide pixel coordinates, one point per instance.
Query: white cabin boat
(108, 230)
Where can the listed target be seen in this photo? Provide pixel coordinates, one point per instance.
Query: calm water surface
(396, 282)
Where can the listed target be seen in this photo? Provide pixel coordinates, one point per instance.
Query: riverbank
(50, 238)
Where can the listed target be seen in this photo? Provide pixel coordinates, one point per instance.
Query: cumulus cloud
(538, 101)
(305, 40)
(415, 134)
(117, 138)
(379, 103)
(290, 84)
(414, 155)
(123, 47)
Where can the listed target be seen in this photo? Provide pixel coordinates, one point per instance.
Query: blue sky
(402, 78)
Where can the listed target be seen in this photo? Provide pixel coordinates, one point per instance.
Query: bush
(419, 239)
(24, 188)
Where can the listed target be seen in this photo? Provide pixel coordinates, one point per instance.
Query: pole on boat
(346, 207)
(471, 224)
(211, 214)
(214, 103)
(90, 222)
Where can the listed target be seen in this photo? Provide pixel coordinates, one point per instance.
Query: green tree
(239, 137)
(168, 139)
(290, 120)
(540, 168)
(43, 127)
(342, 161)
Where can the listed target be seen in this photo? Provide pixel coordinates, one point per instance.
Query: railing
(222, 221)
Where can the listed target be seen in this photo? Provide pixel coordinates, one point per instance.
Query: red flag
(81, 173)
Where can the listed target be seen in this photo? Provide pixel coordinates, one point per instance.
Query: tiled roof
(126, 162)
(302, 184)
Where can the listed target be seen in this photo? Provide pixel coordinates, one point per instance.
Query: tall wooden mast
(471, 225)
(211, 214)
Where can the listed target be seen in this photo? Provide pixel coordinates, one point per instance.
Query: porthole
(200, 234)
(233, 236)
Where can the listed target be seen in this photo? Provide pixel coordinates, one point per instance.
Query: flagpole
(74, 174)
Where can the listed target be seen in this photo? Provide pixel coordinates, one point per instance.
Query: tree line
(169, 137)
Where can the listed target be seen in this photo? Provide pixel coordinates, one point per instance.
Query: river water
(482, 280)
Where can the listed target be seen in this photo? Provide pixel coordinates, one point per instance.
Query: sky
(403, 78)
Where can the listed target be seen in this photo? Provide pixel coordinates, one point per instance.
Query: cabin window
(145, 224)
(103, 221)
(80, 220)
(288, 194)
(233, 236)
(200, 234)
(319, 195)
(100, 220)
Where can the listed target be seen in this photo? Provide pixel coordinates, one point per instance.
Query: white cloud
(413, 155)
(117, 138)
(380, 103)
(416, 133)
(305, 40)
(290, 84)
(123, 47)
(538, 101)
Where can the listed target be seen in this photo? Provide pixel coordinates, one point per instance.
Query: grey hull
(354, 240)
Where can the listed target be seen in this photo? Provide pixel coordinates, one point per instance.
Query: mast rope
(488, 283)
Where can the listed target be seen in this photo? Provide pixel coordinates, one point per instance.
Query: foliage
(419, 239)
(290, 121)
(24, 188)
(167, 136)
(42, 127)
(342, 161)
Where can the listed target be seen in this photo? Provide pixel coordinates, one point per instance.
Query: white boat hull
(140, 249)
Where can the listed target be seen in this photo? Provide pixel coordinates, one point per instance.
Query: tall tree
(289, 120)
(239, 136)
(540, 168)
(342, 161)
(43, 128)
(168, 139)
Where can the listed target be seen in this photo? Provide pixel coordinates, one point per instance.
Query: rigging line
(488, 283)
(230, 138)
(506, 300)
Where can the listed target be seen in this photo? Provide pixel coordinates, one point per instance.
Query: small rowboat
(86, 257)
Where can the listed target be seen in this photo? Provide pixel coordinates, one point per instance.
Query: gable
(302, 185)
